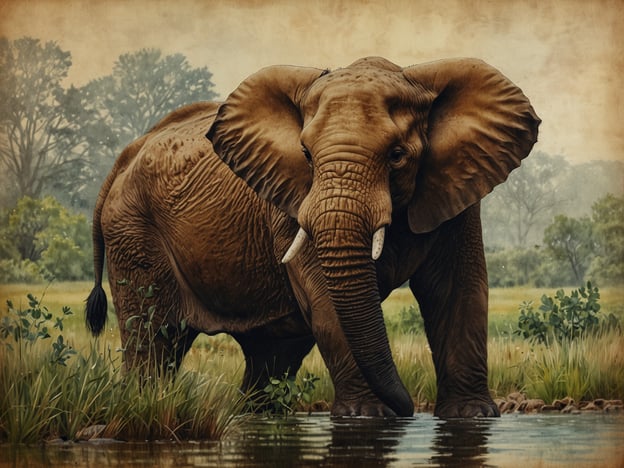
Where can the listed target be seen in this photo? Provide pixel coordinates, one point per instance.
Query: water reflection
(320, 440)
(366, 439)
(461, 442)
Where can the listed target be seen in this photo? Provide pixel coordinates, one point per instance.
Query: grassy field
(89, 389)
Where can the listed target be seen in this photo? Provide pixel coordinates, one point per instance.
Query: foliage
(63, 141)
(45, 394)
(407, 321)
(571, 240)
(49, 242)
(32, 324)
(38, 140)
(516, 208)
(282, 396)
(575, 250)
(564, 318)
(143, 87)
(608, 222)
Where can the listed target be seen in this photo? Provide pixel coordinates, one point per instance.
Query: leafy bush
(282, 396)
(32, 324)
(20, 271)
(408, 321)
(564, 318)
(40, 238)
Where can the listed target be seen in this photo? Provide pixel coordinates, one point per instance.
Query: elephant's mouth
(301, 237)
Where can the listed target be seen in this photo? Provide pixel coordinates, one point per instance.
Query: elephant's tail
(97, 306)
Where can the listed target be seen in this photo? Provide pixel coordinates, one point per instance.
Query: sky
(566, 55)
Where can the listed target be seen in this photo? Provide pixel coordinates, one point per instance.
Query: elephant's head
(342, 151)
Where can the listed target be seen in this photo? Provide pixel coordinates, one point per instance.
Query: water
(318, 440)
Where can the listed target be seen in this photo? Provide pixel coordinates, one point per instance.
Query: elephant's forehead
(359, 83)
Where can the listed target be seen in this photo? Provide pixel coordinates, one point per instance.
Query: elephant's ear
(480, 127)
(257, 133)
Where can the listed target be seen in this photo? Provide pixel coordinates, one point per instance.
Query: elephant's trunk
(344, 250)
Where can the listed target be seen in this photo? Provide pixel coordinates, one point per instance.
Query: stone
(564, 402)
(509, 407)
(532, 405)
(499, 402)
(568, 400)
(516, 396)
(550, 408)
(320, 406)
(590, 407)
(609, 408)
(570, 409)
(599, 403)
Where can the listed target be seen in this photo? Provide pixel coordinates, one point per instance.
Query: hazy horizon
(566, 55)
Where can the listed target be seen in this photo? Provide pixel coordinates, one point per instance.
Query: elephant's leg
(451, 288)
(270, 356)
(147, 305)
(353, 396)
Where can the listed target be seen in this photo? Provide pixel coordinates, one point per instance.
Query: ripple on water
(319, 440)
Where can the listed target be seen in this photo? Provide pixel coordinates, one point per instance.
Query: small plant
(146, 325)
(44, 394)
(285, 394)
(408, 321)
(30, 325)
(564, 317)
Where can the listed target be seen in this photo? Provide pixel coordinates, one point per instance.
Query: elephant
(286, 214)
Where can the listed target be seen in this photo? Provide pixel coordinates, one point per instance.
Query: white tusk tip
(295, 247)
(378, 243)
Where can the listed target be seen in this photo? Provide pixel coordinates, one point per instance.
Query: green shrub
(564, 318)
(20, 271)
(408, 321)
(283, 396)
(42, 238)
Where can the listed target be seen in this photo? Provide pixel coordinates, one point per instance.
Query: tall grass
(583, 369)
(43, 396)
(47, 393)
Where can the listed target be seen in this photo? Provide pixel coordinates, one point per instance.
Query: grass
(41, 398)
(53, 387)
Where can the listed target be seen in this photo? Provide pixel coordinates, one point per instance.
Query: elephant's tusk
(296, 245)
(378, 242)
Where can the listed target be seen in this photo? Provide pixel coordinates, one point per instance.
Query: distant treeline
(551, 223)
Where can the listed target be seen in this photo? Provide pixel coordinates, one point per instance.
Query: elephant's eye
(306, 153)
(397, 157)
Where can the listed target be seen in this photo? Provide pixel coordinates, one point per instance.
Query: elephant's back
(214, 229)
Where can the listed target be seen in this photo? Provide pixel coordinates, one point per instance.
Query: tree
(570, 240)
(608, 219)
(143, 87)
(529, 196)
(37, 141)
(46, 237)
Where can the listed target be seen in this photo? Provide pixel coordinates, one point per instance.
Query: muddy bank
(516, 403)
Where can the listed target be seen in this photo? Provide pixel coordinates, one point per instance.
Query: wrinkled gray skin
(338, 154)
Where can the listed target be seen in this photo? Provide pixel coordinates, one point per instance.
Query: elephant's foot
(367, 407)
(466, 408)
